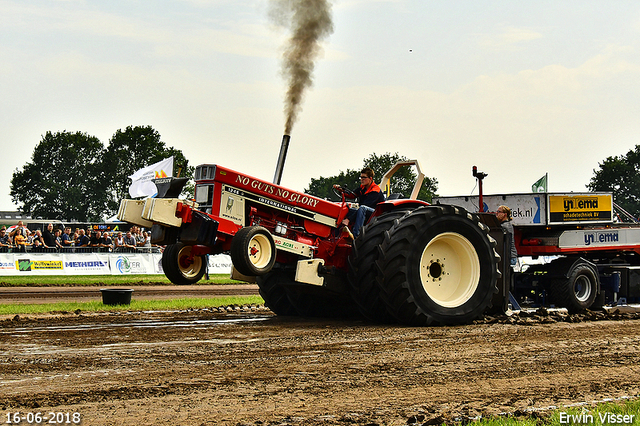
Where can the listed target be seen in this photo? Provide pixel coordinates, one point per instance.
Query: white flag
(142, 186)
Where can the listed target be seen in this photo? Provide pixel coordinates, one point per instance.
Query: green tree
(131, 150)
(64, 180)
(401, 182)
(620, 175)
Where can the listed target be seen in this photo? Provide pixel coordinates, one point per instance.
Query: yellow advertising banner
(576, 208)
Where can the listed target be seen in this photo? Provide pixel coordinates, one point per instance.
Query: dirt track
(253, 368)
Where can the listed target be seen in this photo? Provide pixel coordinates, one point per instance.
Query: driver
(368, 196)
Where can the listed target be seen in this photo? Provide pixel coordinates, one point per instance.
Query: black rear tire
(180, 267)
(363, 272)
(272, 289)
(319, 302)
(439, 265)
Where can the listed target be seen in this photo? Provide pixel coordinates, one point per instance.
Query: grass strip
(102, 280)
(136, 305)
(624, 412)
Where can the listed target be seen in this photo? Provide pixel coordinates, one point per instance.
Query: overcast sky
(517, 88)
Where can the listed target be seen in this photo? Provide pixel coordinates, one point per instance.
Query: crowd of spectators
(21, 239)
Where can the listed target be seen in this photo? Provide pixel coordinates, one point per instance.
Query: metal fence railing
(33, 249)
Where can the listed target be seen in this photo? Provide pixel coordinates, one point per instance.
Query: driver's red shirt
(370, 196)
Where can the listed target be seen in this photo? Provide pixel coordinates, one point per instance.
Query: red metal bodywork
(279, 205)
(543, 241)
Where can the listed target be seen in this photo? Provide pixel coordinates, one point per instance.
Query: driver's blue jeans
(359, 217)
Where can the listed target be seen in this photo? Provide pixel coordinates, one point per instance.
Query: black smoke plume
(309, 22)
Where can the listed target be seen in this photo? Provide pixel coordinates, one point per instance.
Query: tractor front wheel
(253, 251)
(180, 266)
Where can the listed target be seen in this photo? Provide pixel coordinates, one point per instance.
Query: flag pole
(546, 182)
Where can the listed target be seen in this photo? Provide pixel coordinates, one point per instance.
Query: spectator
(96, 239)
(108, 244)
(20, 240)
(48, 238)
(20, 226)
(83, 240)
(147, 239)
(67, 238)
(38, 240)
(28, 235)
(5, 239)
(129, 241)
(58, 238)
(118, 242)
(139, 237)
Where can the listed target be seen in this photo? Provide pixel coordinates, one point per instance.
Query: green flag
(540, 185)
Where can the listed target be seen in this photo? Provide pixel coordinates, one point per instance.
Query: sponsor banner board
(95, 264)
(132, 263)
(7, 264)
(80, 263)
(611, 237)
(86, 263)
(526, 209)
(220, 264)
(543, 209)
(580, 208)
(38, 264)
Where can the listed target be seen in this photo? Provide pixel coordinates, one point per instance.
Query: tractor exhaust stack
(281, 158)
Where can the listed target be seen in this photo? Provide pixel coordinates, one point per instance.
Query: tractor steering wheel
(342, 192)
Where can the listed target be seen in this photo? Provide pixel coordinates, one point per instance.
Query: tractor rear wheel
(319, 302)
(439, 265)
(180, 266)
(253, 251)
(363, 271)
(272, 289)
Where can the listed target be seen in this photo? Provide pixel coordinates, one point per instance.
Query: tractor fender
(397, 204)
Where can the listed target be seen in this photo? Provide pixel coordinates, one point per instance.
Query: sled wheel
(362, 267)
(272, 289)
(253, 251)
(578, 292)
(180, 266)
(439, 265)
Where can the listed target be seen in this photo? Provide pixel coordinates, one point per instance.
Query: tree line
(402, 181)
(621, 175)
(73, 176)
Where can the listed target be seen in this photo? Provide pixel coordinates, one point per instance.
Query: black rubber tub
(116, 296)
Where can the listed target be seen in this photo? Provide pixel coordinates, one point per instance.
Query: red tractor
(413, 263)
